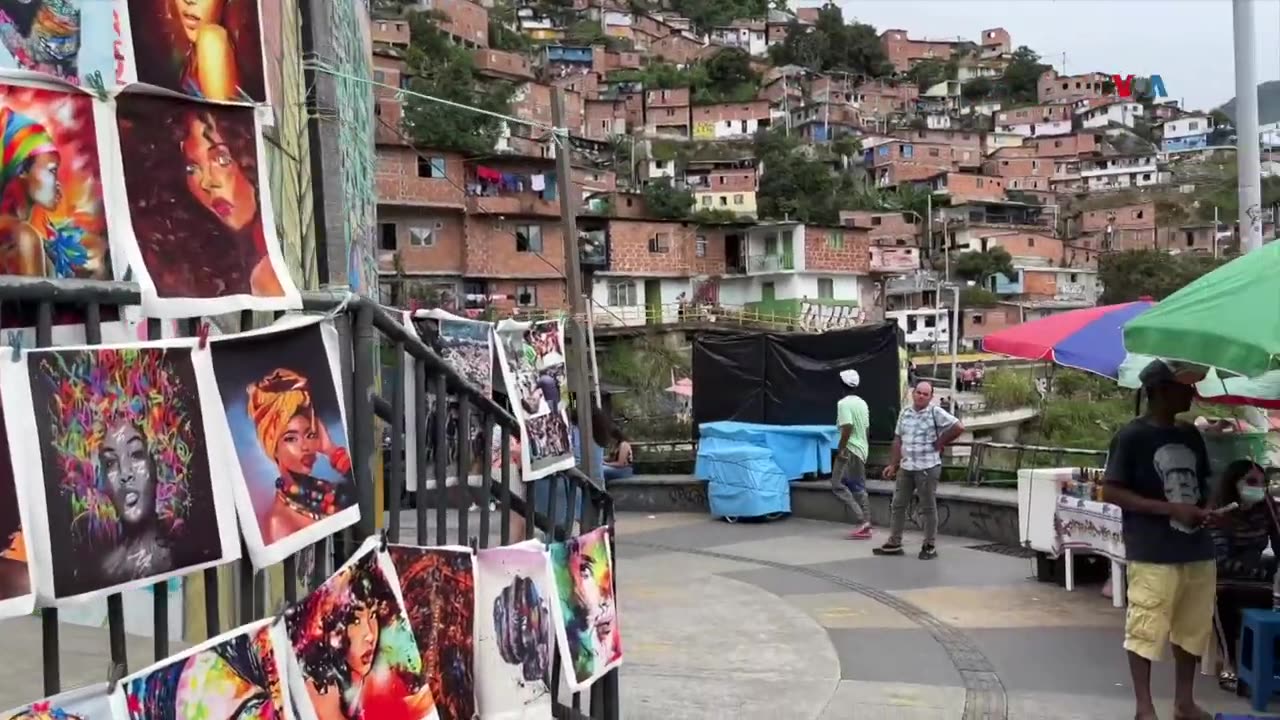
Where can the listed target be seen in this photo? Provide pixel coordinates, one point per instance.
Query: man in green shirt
(849, 474)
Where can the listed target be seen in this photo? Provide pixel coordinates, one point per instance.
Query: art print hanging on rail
(354, 654)
(195, 214)
(69, 40)
(52, 218)
(438, 586)
(533, 368)
(17, 592)
(120, 439)
(86, 703)
(239, 674)
(282, 394)
(587, 611)
(205, 49)
(514, 605)
(467, 347)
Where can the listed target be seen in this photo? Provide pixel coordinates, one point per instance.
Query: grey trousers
(857, 502)
(915, 482)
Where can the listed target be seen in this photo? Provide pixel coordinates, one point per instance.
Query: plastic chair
(1256, 665)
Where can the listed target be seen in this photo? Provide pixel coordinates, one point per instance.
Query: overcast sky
(1187, 42)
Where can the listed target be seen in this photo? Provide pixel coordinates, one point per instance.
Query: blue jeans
(618, 473)
(561, 488)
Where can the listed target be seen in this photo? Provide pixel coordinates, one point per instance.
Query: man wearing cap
(849, 475)
(1157, 473)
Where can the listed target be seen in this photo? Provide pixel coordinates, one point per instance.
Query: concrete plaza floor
(790, 621)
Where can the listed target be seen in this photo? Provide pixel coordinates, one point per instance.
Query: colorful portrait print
(279, 390)
(438, 585)
(118, 437)
(203, 240)
(206, 49)
(86, 703)
(590, 643)
(70, 40)
(533, 369)
(514, 596)
(355, 653)
(52, 222)
(236, 676)
(15, 571)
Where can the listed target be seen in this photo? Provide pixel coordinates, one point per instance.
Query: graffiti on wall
(287, 148)
(352, 52)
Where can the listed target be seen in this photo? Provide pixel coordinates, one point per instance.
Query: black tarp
(794, 378)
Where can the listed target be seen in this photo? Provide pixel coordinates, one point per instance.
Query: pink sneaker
(861, 533)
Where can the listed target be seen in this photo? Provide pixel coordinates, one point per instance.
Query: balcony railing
(771, 263)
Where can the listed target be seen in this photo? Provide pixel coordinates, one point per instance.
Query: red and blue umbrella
(1089, 339)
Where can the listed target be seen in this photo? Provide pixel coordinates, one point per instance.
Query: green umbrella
(1228, 319)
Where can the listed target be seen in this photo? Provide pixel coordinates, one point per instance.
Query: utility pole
(1215, 232)
(1249, 162)
(955, 341)
(577, 352)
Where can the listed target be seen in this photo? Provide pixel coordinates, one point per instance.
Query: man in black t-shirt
(1158, 473)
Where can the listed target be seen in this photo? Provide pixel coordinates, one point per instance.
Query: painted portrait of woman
(289, 433)
(51, 218)
(206, 49)
(191, 174)
(583, 571)
(85, 703)
(358, 657)
(128, 490)
(283, 412)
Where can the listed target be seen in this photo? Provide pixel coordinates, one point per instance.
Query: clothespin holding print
(382, 540)
(93, 81)
(202, 332)
(115, 673)
(474, 542)
(15, 342)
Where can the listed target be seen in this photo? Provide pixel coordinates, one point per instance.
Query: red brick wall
(758, 110)
(1128, 217)
(853, 254)
(1049, 87)
(1018, 167)
(902, 51)
(884, 228)
(1029, 245)
(600, 115)
(964, 187)
(712, 261)
(675, 48)
(491, 248)
(1065, 146)
(467, 20)
(1039, 285)
(979, 322)
(1033, 114)
(629, 250)
(550, 293)
(676, 98)
(398, 182)
(446, 255)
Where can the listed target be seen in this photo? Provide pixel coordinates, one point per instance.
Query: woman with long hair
(196, 179)
(293, 435)
(202, 50)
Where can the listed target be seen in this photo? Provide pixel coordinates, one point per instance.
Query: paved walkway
(790, 620)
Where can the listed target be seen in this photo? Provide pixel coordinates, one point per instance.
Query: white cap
(850, 377)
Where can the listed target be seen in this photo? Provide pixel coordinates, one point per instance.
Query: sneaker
(862, 532)
(928, 552)
(888, 549)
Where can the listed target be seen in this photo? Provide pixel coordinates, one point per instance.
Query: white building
(1119, 172)
(923, 327)
(660, 169)
(773, 258)
(747, 37)
(1038, 129)
(1189, 132)
(1120, 112)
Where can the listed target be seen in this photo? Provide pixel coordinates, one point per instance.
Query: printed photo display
(514, 597)
(280, 391)
(206, 49)
(51, 207)
(532, 359)
(587, 620)
(438, 585)
(236, 675)
(120, 439)
(354, 652)
(199, 230)
(71, 40)
(16, 592)
(467, 346)
(86, 703)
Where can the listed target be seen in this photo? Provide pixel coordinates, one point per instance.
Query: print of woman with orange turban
(30, 190)
(293, 435)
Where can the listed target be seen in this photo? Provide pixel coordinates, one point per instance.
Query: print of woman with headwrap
(30, 190)
(191, 173)
(293, 435)
(207, 49)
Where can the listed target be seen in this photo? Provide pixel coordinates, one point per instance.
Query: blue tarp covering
(796, 449)
(742, 479)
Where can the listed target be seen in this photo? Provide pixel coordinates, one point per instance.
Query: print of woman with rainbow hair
(293, 436)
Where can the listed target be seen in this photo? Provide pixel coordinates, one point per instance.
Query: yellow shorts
(1170, 603)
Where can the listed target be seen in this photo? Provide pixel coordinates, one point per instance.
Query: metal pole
(928, 223)
(577, 351)
(937, 303)
(595, 364)
(955, 341)
(1247, 156)
(1215, 232)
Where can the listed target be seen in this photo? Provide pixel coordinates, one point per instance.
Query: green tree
(726, 76)
(927, 73)
(977, 89)
(978, 266)
(706, 14)
(831, 44)
(1133, 274)
(977, 297)
(440, 68)
(1021, 80)
(665, 200)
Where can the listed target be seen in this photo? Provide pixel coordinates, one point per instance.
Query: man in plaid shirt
(915, 460)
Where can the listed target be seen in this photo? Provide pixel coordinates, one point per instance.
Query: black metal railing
(364, 327)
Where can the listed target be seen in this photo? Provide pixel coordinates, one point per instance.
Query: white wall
(1039, 129)
(1121, 113)
(1182, 127)
(913, 324)
(733, 128)
(661, 168)
(637, 314)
